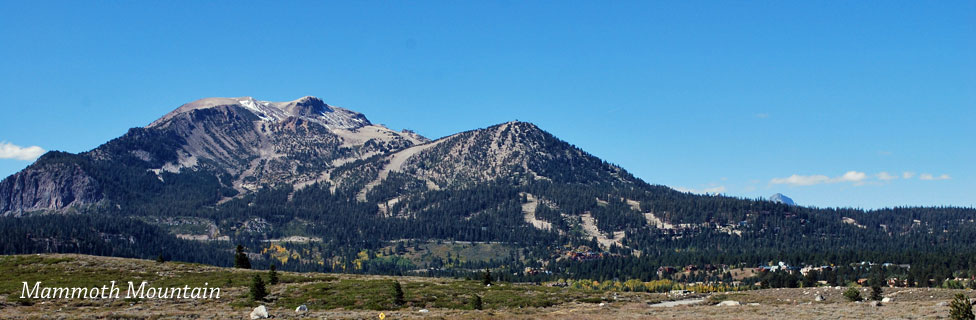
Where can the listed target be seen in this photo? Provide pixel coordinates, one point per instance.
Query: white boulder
(260, 313)
(728, 303)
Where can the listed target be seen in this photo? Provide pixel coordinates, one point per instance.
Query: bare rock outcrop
(48, 186)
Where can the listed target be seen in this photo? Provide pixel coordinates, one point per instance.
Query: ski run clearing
(589, 226)
(528, 211)
(396, 162)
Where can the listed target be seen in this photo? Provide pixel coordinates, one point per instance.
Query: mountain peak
(304, 106)
(780, 198)
(516, 124)
(308, 107)
(520, 122)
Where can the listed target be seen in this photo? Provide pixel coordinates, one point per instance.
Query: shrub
(960, 309)
(476, 303)
(852, 294)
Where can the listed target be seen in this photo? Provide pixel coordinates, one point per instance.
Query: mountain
(780, 198)
(319, 187)
(238, 144)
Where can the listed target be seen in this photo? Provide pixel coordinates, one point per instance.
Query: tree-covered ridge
(492, 212)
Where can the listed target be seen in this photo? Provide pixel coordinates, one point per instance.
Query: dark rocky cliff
(48, 186)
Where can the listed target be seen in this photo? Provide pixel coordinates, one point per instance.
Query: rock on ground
(260, 313)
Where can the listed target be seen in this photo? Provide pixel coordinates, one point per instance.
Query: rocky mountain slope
(244, 143)
(46, 186)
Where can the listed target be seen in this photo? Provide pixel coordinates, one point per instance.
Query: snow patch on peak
(249, 103)
(256, 107)
(308, 108)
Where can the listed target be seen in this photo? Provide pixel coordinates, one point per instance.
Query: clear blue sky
(814, 99)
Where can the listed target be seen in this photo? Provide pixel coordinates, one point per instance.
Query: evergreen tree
(476, 302)
(272, 275)
(486, 278)
(398, 299)
(258, 291)
(876, 293)
(160, 259)
(960, 308)
(810, 280)
(832, 278)
(240, 259)
(877, 278)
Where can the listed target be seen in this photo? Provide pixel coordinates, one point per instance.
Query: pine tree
(398, 299)
(832, 277)
(876, 293)
(240, 259)
(160, 259)
(476, 302)
(960, 309)
(486, 278)
(810, 280)
(272, 275)
(258, 291)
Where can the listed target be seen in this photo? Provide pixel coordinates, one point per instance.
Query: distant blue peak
(780, 198)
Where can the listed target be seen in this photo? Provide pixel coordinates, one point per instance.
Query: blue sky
(833, 103)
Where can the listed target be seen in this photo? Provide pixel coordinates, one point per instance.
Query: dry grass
(328, 296)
